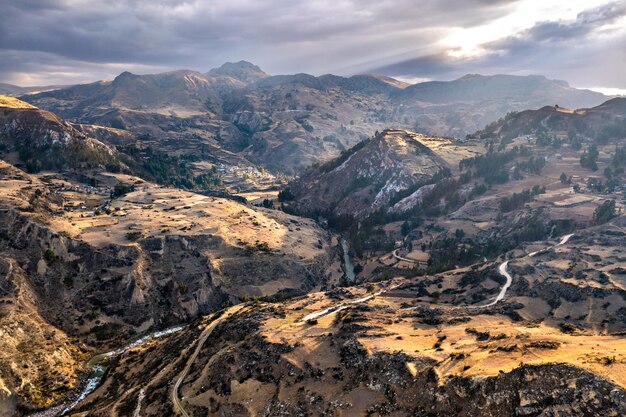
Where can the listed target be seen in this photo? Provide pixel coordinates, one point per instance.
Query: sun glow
(467, 42)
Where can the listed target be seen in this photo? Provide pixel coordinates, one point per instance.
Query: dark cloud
(281, 35)
(68, 41)
(585, 23)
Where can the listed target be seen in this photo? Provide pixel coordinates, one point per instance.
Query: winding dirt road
(401, 258)
(178, 406)
(337, 308)
(503, 270)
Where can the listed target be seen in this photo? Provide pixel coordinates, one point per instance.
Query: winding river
(347, 262)
(96, 370)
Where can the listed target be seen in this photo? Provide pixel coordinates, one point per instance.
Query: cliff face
(155, 281)
(138, 284)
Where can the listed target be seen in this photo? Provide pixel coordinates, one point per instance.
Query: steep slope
(41, 140)
(77, 262)
(38, 362)
(293, 121)
(367, 177)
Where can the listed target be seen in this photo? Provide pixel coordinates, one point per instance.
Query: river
(347, 262)
(96, 369)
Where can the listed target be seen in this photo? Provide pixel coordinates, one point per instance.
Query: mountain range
(287, 122)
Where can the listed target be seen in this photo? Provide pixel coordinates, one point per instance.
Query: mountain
(91, 255)
(532, 90)
(86, 267)
(286, 123)
(243, 70)
(604, 122)
(40, 140)
(366, 177)
(428, 271)
(37, 140)
(164, 94)
(458, 107)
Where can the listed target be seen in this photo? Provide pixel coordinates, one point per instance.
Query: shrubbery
(604, 212)
(519, 199)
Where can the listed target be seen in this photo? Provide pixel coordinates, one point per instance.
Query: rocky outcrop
(136, 286)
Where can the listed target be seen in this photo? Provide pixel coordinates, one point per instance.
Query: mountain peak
(126, 75)
(241, 70)
(471, 76)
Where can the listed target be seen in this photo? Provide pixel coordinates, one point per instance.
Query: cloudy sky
(71, 41)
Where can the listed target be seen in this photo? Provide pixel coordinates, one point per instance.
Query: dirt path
(400, 258)
(178, 406)
(503, 270)
(337, 308)
(140, 397)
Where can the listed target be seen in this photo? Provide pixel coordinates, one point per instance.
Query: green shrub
(133, 236)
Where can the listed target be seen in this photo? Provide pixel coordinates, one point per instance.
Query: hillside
(367, 177)
(419, 346)
(89, 267)
(603, 123)
(427, 270)
(40, 140)
(285, 123)
(533, 90)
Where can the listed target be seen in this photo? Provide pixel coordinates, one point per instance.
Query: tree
(589, 158)
(604, 212)
(285, 195)
(576, 144)
(563, 178)
(405, 228)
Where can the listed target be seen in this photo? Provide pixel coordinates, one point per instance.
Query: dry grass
(458, 352)
(11, 102)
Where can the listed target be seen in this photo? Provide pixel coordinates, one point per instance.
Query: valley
(181, 244)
